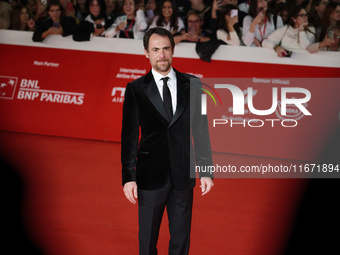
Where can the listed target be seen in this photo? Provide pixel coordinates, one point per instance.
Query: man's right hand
(130, 191)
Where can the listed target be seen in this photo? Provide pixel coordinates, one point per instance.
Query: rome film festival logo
(7, 86)
(289, 109)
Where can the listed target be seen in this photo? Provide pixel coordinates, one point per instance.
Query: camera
(99, 26)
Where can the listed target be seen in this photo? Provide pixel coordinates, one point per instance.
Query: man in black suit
(157, 148)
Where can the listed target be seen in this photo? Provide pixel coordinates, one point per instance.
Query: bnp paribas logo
(7, 86)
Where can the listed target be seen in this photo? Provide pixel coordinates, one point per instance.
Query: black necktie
(167, 97)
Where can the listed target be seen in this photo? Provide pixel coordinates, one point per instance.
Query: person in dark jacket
(95, 23)
(55, 24)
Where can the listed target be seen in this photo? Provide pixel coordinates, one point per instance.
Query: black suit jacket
(154, 148)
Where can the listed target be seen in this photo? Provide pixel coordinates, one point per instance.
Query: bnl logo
(7, 86)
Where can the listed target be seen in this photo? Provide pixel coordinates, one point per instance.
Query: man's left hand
(206, 185)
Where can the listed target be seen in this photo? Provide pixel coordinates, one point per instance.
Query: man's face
(160, 53)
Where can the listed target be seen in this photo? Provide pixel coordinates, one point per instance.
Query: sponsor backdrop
(75, 93)
(260, 127)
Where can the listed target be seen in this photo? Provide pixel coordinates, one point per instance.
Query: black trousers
(151, 205)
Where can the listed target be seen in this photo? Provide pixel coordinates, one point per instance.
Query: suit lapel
(152, 92)
(182, 95)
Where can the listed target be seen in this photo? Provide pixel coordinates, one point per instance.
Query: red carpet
(74, 204)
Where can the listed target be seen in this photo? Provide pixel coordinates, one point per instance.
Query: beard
(162, 67)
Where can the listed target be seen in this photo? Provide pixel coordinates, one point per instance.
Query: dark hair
(223, 23)
(54, 2)
(325, 22)
(253, 10)
(316, 2)
(16, 13)
(313, 15)
(195, 12)
(294, 14)
(102, 5)
(336, 27)
(174, 16)
(159, 31)
(136, 2)
(280, 8)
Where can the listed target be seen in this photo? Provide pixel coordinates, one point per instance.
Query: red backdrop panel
(79, 94)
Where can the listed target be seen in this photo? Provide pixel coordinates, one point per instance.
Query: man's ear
(146, 53)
